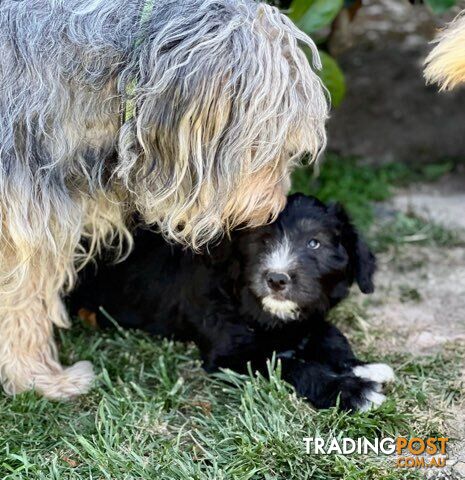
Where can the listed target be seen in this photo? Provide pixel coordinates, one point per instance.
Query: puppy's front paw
(359, 394)
(372, 399)
(376, 372)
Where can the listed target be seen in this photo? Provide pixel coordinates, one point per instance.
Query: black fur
(215, 300)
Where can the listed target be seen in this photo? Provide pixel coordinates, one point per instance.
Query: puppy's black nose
(277, 280)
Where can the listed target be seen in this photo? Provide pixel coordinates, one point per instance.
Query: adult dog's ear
(361, 258)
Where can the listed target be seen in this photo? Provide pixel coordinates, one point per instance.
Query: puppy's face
(306, 260)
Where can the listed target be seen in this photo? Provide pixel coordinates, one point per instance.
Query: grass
(409, 229)
(352, 184)
(154, 413)
(358, 186)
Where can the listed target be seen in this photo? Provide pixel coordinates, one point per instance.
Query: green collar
(127, 100)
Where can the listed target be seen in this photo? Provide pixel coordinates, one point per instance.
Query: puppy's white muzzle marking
(283, 309)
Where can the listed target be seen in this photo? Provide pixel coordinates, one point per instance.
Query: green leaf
(298, 8)
(441, 6)
(319, 14)
(333, 78)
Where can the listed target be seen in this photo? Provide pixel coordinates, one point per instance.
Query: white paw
(376, 372)
(373, 399)
(67, 383)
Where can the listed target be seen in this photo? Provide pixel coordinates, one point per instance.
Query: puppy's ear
(361, 258)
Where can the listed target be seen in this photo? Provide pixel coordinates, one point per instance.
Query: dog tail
(445, 65)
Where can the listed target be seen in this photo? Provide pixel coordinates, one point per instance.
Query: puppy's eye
(313, 244)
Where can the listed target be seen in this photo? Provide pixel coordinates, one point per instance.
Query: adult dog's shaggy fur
(445, 64)
(225, 103)
(267, 290)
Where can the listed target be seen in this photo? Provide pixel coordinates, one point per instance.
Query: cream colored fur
(445, 65)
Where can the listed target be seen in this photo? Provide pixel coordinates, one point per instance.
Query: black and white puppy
(266, 290)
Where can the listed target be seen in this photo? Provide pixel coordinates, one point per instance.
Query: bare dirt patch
(419, 308)
(389, 114)
(420, 298)
(419, 305)
(442, 202)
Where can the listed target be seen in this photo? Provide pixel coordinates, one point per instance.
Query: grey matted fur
(226, 103)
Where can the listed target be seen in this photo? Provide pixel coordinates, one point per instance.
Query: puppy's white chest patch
(283, 309)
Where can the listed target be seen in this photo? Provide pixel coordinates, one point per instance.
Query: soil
(419, 304)
(442, 202)
(389, 113)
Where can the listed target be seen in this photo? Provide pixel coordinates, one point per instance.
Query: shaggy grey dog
(223, 101)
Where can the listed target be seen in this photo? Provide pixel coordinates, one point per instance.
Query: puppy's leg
(323, 387)
(329, 346)
(30, 306)
(325, 368)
